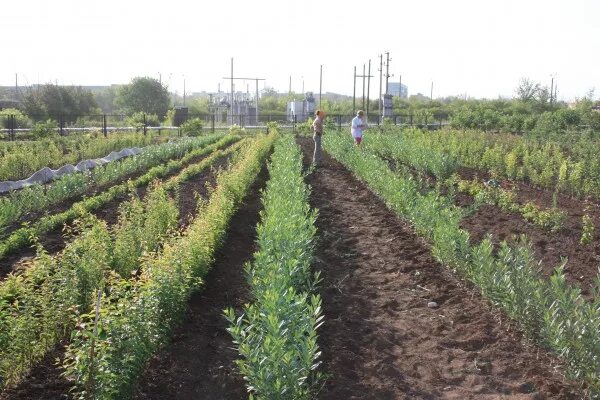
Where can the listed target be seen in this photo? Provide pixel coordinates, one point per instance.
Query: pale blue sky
(481, 48)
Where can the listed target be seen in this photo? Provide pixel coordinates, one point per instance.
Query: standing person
(358, 126)
(317, 133)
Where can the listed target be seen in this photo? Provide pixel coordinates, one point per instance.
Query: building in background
(395, 90)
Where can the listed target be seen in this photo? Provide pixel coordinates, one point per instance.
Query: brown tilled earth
(380, 340)
(550, 248)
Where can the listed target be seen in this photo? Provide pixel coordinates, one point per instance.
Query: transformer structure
(302, 110)
(242, 110)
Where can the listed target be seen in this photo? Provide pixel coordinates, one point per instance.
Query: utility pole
(363, 92)
(431, 94)
(354, 93)
(362, 76)
(245, 79)
(231, 105)
(387, 71)
(551, 89)
(290, 88)
(368, 89)
(400, 89)
(184, 90)
(320, 84)
(380, 81)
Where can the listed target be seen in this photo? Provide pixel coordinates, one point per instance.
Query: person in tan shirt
(317, 133)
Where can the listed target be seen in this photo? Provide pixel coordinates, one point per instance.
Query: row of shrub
(39, 197)
(20, 159)
(22, 236)
(43, 303)
(40, 307)
(276, 334)
(135, 315)
(551, 312)
(572, 167)
(417, 159)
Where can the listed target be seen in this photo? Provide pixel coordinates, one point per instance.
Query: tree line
(533, 110)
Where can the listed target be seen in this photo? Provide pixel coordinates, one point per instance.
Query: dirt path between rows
(199, 363)
(380, 339)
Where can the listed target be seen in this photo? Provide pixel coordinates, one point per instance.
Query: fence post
(61, 125)
(145, 125)
(11, 127)
(294, 125)
(104, 127)
(411, 119)
(212, 123)
(339, 118)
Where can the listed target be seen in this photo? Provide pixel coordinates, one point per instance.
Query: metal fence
(11, 127)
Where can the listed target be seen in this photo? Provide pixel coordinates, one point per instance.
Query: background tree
(106, 99)
(53, 101)
(146, 95)
(527, 90)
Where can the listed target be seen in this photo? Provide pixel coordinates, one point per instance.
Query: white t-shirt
(358, 126)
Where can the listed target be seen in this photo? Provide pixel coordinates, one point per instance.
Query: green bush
(137, 120)
(44, 130)
(193, 127)
(22, 121)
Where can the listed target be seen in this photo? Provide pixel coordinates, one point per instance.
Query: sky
(474, 48)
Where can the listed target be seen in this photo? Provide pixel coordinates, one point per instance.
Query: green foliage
(44, 130)
(110, 349)
(551, 219)
(53, 101)
(143, 94)
(570, 166)
(550, 312)
(194, 147)
(142, 227)
(39, 306)
(587, 230)
(411, 148)
(305, 128)
(236, 130)
(193, 127)
(21, 120)
(276, 334)
(140, 118)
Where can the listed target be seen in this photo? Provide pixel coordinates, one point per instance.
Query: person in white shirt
(358, 126)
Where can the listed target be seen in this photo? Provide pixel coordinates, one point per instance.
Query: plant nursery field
(421, 265)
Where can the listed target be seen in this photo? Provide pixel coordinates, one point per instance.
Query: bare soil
(550, 248)
(380, 339)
